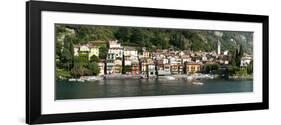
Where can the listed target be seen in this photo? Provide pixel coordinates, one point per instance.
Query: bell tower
(219, 47)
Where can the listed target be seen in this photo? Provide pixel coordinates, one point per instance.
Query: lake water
(129, 88)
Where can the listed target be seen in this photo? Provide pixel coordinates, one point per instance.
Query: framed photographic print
(95, 62)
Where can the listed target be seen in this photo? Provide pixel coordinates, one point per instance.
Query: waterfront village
(125, 62)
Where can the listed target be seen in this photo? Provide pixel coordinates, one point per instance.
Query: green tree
(239, 55)
(207, 68)
(80, 61)
(241, 72)
(94, 68)
(68, 44)
(102, 33)
(211, 67)
(137, 36)
(232, 69)
(123, 34)
(241, 50)
(62, 73)
(103, 52)
(79, 70)
(250, 68)
(233, 58)
(66, 59)
(94, 58)
(67, 53)
(127, 69)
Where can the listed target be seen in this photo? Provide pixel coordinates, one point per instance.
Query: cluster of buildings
(127, 60)
(120, 58)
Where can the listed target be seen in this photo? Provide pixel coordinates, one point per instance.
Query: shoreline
(249, 77)
(197, 76)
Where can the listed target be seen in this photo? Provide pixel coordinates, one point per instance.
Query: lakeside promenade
(195, 76)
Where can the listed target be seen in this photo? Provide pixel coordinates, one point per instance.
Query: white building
(130, 56)
(117, 52)
(114, 57)
(204, 58)
(165, 61)
(110, 56)
(101, 66)
(172, 60)
(151, 70)
(86, 49)
(225, 53)
(181, 53)
(245, 61)
(226, 62)
(130, 53)
(128, 62)
(114, 44)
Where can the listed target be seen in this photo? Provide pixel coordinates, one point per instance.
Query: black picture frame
(33, 61)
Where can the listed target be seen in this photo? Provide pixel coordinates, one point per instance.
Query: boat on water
(80, 80)
(189, 78)
(94, 78)
(91, 78)
(72, 80)
(197, 83)
(171, 78)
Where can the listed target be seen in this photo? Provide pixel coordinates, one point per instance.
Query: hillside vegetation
(156, 38)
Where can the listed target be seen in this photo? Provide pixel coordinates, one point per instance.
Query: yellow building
(192, 67)
(86, 50)
(101, 66)
(76, 50)
(93, 51)
(117, 66)
(145, 54)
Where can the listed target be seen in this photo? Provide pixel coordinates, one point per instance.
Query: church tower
(219, 47)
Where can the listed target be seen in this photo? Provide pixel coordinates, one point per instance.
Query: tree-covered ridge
(158, 38)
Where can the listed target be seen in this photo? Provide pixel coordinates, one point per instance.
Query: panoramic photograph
(95, 61)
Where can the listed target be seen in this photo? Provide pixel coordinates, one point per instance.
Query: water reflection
(129, 88)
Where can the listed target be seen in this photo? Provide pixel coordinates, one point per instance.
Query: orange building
(192, 67)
